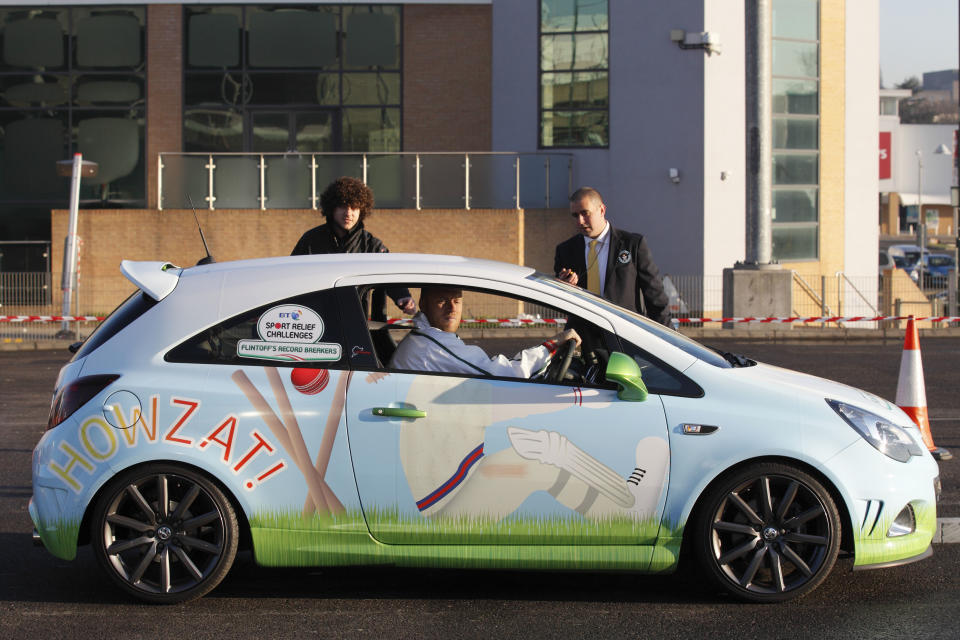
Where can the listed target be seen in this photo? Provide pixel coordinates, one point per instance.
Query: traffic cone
(911, 391)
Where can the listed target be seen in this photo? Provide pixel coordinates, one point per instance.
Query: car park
(907, 257)
(252, 405)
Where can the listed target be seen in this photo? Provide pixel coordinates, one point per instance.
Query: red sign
(885, 153)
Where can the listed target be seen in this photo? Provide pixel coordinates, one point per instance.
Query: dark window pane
(270, 132)
(573, 52)
(371, 39)
(107, 40)
(795, 59)
(371, 88)
(791, 169)
(98, 90)
(212, 129)
(115, 141)
(574, 90)
(213, 39)
(795, 205)
(31, 147)
(371, 129)
(791, 133)
(34, 90)
(291, 88)
(794, 243)
(216, 88)
(292, 38)
(575, 129)
(795, 96)
(34, 42)
(795, 19)
(314, 131)
(573, 15)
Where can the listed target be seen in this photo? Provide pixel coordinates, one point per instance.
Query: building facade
(642, 100)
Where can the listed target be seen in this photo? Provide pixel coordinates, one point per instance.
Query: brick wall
(447, 87)
(109, 236)
(164, 80)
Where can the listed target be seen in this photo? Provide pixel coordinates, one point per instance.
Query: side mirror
(623, 370)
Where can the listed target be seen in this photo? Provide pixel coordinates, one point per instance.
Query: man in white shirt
(433, 344)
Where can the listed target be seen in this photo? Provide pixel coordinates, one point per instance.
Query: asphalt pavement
(43, 596)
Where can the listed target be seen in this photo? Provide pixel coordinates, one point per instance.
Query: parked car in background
(936, 268)
(886, 262)
(907, 257)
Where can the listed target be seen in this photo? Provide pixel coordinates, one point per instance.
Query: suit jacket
(632, 279)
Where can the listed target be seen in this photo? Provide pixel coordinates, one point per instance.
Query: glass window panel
(888, 106)
(795, 96)
(92, 91)
(795, 205)
(371, 88)
(573, 15)
(371, 129)
(213, 40)
(795, 59)
(492, 180)
(794, 242)
(791, 133)
(574, 90)
(533, 182)
(292, 87)
(329, 168)
(288, 181)
(292, 38)
(217, 88)
(212, 129)
(108, 40)
(442, 181)
(111, 142)
(184, 182)
(371, 39)
(34, 43)
(314, 132)
(393, 180)
(794, 169)
(573, 52)
(270, 132)
(31, 147)
(236, 182)
(575, 129)
(34, 91)
(795, 19)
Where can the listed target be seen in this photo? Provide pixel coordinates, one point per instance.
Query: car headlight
(891, 440)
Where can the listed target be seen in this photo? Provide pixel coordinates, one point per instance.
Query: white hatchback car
(254, 404)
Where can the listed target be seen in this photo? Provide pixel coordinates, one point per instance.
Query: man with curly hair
(345, 203)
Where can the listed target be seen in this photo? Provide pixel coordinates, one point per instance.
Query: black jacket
(632, 279)
(322, 239)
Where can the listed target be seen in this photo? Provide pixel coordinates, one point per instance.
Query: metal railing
(401, 180)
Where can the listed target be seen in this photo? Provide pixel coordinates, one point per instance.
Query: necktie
(593, 269)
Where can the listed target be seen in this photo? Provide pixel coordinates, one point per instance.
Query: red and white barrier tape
(513, 322)
(51, 318)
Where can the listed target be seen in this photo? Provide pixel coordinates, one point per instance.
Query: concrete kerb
(948, 531)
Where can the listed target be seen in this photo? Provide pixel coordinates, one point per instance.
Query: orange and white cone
(911, 391)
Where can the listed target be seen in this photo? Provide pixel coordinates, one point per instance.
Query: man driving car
(433, 344)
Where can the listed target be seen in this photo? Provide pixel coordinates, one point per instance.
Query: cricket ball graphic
(309, 381)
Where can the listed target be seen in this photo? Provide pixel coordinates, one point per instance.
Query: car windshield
(685, 344)
(900, 261)
(940, 261)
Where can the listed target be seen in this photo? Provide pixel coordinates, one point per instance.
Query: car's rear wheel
(767, 533)
(164, 533)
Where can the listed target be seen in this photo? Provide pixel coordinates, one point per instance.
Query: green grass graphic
(874, 547)
(60, 537)
(286, 538)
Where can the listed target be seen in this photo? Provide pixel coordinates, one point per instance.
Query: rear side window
(128, 311)
(303, 331)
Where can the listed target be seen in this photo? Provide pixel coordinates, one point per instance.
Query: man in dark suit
(612, 263)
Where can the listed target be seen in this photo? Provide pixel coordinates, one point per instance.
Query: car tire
(767, 553)
(164, 550)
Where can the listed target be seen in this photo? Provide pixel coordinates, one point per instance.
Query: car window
(492, 324)
(682, 342)
(128, 311)
(303, 331)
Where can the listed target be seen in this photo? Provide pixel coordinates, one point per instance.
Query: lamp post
(75, 168)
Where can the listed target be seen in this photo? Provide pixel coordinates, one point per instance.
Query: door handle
(398, 412)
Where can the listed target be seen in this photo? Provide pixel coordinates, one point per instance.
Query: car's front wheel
(768, 533)
(164, 533)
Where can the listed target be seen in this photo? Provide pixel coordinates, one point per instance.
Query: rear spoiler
(156, 279)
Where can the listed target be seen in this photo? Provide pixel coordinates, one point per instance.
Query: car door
(444, 458)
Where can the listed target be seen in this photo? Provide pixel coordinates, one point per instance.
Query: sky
(917, 36)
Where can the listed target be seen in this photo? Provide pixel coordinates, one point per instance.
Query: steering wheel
(563, 356)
